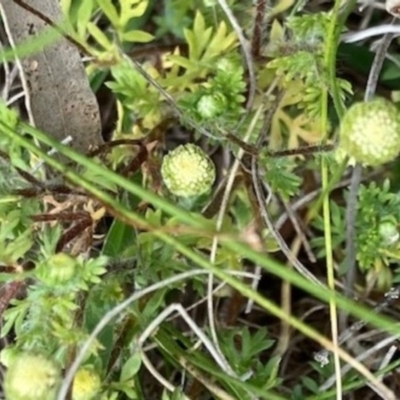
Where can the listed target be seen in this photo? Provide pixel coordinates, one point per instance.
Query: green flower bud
(87, 384)
(188, 171)
(226, 65)
(209, 106)
(370, 132)
(388, 232)
(57, 270)
(8, 355)
(32, 377)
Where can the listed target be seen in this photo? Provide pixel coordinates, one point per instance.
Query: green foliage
(280, 176)
(301, 58)
(120, 18)
(200, 83)
(176, 17)
(377, 206)
(309, 28)
(219, 101)
(49, 309)
(377, 235)
(206, 84)
(205, 47)
(137, 95)
(245, 357)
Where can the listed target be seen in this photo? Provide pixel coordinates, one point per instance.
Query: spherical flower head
(370, 132)
(32, 377)
(87, 384)
(187, 171)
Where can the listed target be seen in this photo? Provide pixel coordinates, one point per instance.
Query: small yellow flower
(87, 384)
(31, 377)
(188, 171)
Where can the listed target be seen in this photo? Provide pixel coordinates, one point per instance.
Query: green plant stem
(330, 65)
(331, 44)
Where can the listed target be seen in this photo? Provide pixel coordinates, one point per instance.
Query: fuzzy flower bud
(87, 384)
(31, 377)
(370, 132)
(188, 171)
(388, 231)
(57, 269)
(8, 355)
(226, 65)
(211, 105)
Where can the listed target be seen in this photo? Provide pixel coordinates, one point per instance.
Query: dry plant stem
(386, 360)
(351, 216)
(351, 37)
(261, 6)
(178, 112)
(203, 339)
(284, 334)
(7, 78)
(285, 328)
(369, 335)
(15, 98)
(110, 315)
(345, 369)
(254, 286)
(9, 291)
(262, 201)
(300, 234)
(222, 210)
(246, 51)
(206, 382)
(277, 236)
(377, 65)
(367, 17)
(381, 389)
(390, 297)
(224, 205)
(157, 376)
(193, 326)
(249, 275)
(351, 208)
(303, 201)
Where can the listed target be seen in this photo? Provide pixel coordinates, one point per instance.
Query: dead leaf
(59, 99)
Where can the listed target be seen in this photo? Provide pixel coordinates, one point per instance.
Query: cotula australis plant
(205, 83)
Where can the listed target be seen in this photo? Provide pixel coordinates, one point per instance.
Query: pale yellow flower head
(31, 377)
(87, 384)
(187, 171)
(370, 132)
